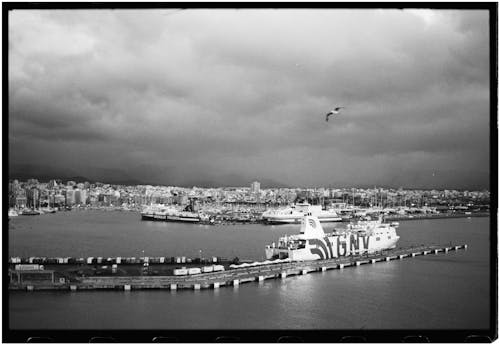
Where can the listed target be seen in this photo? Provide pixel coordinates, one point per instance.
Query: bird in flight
(335, 111)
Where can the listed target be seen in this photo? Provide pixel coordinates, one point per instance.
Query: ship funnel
(311, 227)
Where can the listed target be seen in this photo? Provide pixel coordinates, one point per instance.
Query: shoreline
(258, 221)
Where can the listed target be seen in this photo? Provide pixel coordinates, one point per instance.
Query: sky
(226, 97)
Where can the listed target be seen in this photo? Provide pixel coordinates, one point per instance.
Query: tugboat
(312, 243)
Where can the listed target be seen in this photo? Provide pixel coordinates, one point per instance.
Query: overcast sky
(225, 97)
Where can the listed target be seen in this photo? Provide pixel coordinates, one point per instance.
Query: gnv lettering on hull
(341, 245)
(323, 248)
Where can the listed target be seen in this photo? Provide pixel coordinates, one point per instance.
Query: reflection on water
(445, 291)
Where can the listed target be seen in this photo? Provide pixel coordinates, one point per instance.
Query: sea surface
(444, 291)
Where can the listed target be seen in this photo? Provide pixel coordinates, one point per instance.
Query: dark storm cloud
(204, 95)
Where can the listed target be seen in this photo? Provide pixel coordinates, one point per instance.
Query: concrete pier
(231, 276)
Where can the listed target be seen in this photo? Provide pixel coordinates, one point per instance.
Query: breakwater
(392, 217)
(230, 277)
(436, 216)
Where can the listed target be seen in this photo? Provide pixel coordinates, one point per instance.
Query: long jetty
(235, 276)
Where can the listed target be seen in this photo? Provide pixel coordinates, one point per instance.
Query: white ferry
(294, 214)
(313, 244)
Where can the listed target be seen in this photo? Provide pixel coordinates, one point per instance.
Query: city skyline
(177, 98)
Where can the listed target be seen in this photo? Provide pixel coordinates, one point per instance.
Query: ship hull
(320, 250)
(298, 219)
(330, 247)
(183, 219)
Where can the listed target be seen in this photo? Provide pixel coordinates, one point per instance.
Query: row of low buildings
(57, 193)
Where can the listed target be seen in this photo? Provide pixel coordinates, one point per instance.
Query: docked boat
(295, 213)
(190, 217)
(312, 243)
(31, 212)
(13, 213)
(169, 213)
(147, 213)
(160, 214)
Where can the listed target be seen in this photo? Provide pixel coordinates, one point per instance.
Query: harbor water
(444, 291)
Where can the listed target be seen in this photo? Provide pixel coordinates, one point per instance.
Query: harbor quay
(62, 276)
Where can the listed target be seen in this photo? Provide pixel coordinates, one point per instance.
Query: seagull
(333, 112)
